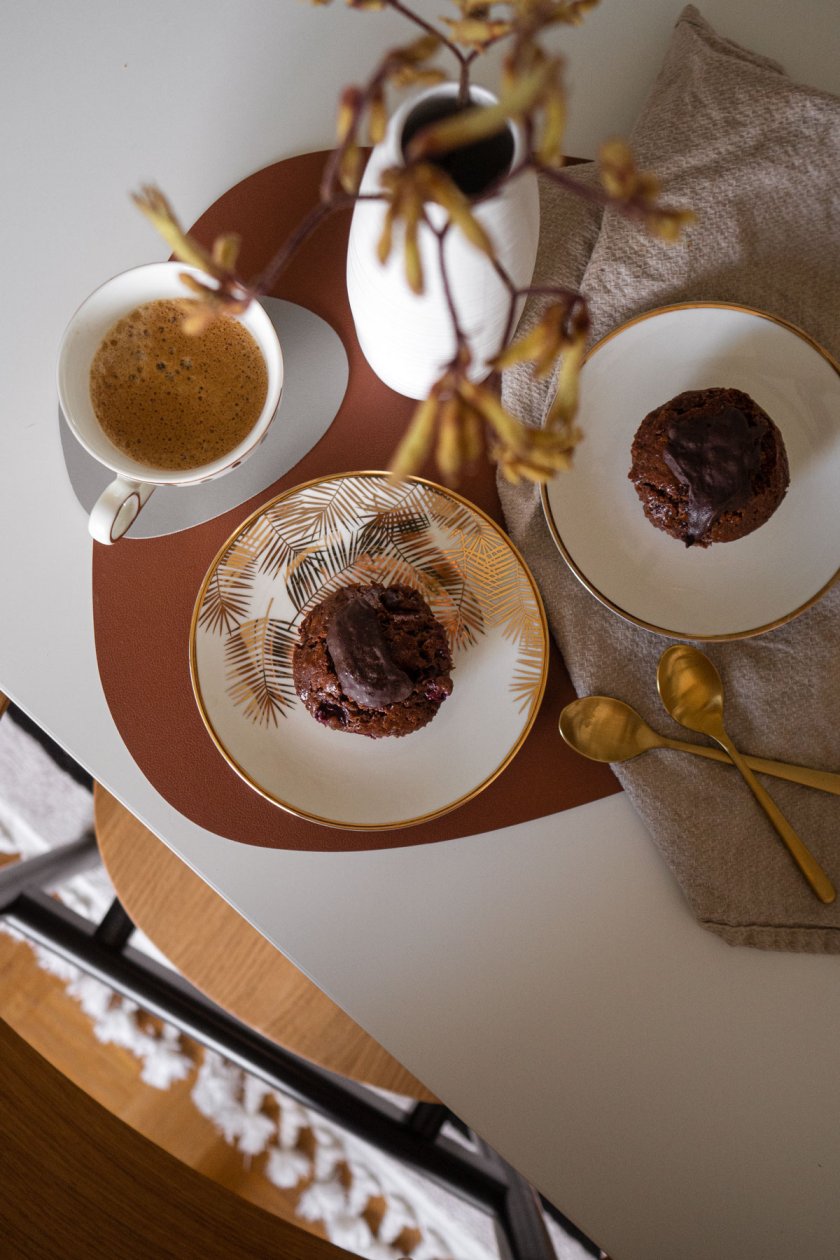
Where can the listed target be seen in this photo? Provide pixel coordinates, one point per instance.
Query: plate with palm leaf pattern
(357, 528)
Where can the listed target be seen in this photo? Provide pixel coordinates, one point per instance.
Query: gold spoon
(605, 729)
(692, 692)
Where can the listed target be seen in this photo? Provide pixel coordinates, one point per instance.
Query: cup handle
(117, 508)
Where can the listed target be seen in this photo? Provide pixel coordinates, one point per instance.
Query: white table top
(677, 1098)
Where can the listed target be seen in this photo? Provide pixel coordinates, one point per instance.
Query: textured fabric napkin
(757, 157)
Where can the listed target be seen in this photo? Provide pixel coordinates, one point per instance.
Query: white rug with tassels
(40, 807)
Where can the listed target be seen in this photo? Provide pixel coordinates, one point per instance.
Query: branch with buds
(460, 421)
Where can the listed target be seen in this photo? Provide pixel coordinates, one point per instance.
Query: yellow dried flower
(416, 76)
(472, 434)
(519, 97)
(226, 250)
(638, 190)
(197, 319)
(412, 212)
(570, 12)
(208, 304)
(667, 223)
(458, 410)
(408, 190)
(404, 67)
(475, 8)
(448, 451)
(618, 173)
(477, 32)
(418, 51)
(413, 450)
(386, 239)
(377, 117)
(225, 294)
(351, 168)
(550, 145)
(564, 405)
(541, 345)
(435, 185)
(349, 105)
(621, 178)
(562, 326)
(162, 217)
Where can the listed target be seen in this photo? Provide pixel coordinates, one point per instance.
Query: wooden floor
(36, 1005)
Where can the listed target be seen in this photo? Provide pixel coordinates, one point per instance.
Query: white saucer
(315, 380)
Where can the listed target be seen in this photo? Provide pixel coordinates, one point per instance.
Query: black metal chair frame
(479, 1176)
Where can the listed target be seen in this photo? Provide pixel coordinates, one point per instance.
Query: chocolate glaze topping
(361, 657)
(716, 458)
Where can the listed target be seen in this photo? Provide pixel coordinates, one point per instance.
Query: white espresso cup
(118, 506)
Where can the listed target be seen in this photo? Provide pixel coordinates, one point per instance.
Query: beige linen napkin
(758, 159)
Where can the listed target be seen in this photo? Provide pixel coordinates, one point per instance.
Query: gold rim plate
(729, 590)
(361, 527)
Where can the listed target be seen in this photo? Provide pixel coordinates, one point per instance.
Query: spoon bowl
(691, 689)
(604, 729)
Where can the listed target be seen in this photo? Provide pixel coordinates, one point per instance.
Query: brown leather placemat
(144, 589)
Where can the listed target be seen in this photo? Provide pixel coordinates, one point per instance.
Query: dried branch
(461, 420)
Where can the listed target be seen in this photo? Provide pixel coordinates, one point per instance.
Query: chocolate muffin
(709, 466)
(372, 660)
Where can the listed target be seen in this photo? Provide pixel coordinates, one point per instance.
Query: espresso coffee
(173, 400)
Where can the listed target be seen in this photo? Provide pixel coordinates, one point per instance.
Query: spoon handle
(824, 780)
(802, 856)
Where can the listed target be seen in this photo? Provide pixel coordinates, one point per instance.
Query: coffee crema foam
(172, 400)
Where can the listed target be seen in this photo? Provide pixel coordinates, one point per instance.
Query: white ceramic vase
(408, 339)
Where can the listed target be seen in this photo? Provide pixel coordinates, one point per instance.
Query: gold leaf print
(323, 510)
(406, 535)
(258, 670)
(514, 608)
(487, 567)
(227, 597)
(452, 515)
(242, 554)
(362, 570)
(527, 680)
(504, 592)
(387, 571)
(276, 545)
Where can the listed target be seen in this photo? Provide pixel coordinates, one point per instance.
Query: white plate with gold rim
(357, 528)
(729, 590)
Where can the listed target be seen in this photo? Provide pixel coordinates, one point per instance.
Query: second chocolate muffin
(709, 466)
(372, 660)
